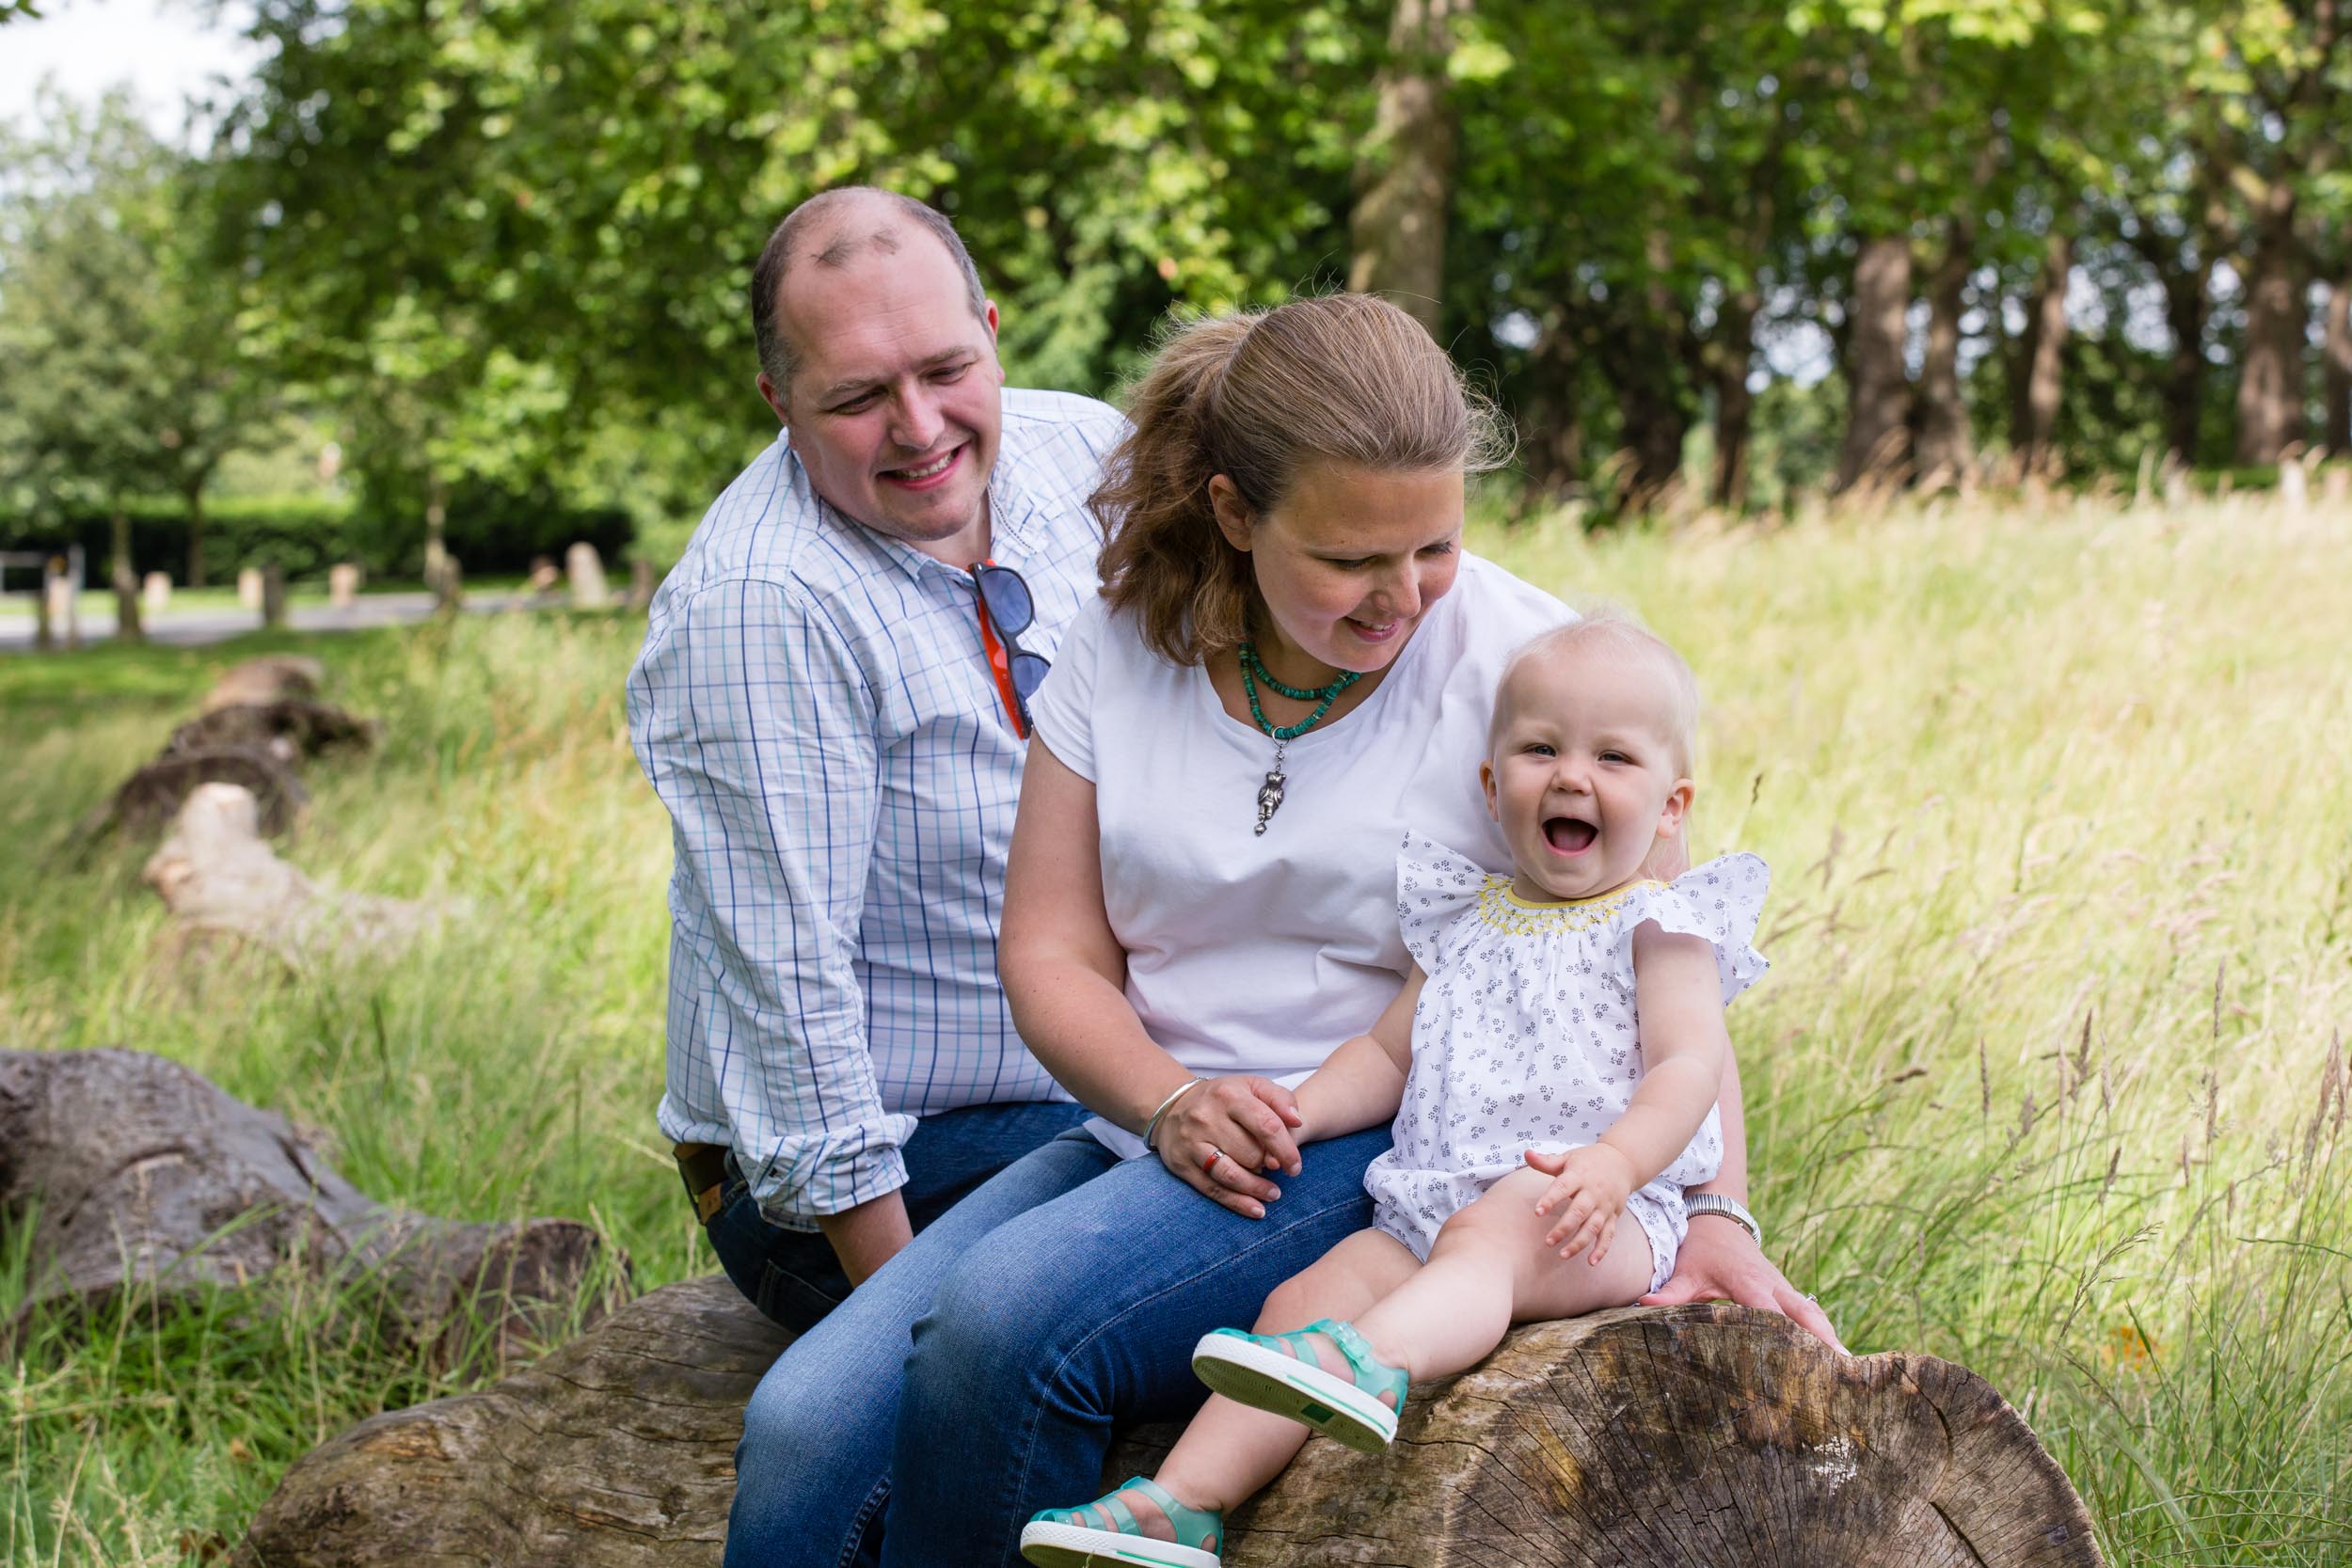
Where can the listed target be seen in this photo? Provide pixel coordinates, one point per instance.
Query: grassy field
(2047, 1077)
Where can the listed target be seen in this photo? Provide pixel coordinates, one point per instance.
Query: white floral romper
(1525, 1035)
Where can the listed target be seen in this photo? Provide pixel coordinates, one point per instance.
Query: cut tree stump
(137, 1173)
(270, 678)
(217, 876)
(1707, 1436)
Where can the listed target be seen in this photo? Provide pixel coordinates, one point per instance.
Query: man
(831, 703)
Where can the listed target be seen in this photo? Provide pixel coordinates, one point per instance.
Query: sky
(165, 50)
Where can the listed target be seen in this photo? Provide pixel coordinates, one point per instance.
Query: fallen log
(136, 1173)
(1708, 1434)
(150, 798)
(291, 729)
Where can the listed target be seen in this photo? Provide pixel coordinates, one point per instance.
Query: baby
(1552, 1064)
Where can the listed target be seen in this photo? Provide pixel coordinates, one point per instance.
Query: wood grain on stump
(1697, 1436)
(134, 1172)
(1694, 1436)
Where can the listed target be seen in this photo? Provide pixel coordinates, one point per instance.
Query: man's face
(895, 402)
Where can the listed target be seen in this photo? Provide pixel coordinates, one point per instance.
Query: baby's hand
(1592, 1183)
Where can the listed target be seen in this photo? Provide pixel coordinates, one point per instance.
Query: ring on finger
(1214, 1156)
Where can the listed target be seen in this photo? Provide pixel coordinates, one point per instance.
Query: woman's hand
(1220, 1138)
(1721, 1261)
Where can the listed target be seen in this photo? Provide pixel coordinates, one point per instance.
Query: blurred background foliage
(1731, 252)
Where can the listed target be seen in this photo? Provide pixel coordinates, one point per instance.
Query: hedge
(487, 531)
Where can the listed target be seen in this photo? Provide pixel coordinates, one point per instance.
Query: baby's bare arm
(1362, 1083)
(1683, 1050)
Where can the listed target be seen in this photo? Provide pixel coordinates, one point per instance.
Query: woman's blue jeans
(976, 1377)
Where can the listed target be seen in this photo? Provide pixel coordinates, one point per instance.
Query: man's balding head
(840, 228)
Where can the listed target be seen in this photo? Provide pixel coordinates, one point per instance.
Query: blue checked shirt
(814, 706)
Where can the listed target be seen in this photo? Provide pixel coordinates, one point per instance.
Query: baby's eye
(1615, 756)
(1355, 564)
(1541, 749)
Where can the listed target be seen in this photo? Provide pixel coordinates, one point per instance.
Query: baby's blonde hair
(1619, 628)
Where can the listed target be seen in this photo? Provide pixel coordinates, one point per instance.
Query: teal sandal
(1283, 1373)
(1106, 1534)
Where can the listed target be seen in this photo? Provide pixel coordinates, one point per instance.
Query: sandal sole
(1077, 1547)
(1270, 1381)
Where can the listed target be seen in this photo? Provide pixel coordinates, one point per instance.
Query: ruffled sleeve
(1434, 887)
(1721, 901)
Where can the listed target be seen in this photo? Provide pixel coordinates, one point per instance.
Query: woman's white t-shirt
(1263, 954)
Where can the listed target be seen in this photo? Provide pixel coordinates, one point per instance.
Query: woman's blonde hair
(1255, 396)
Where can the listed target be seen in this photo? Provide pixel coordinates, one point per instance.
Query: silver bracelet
(1729, 1208)
(1174, 1095)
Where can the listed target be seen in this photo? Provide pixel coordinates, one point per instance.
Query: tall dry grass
(2047, 1076)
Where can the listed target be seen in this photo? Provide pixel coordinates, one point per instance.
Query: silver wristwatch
(1730, 1209)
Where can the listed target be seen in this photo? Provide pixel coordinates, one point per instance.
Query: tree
(581, 185)
(1405, 182)
(122, 366)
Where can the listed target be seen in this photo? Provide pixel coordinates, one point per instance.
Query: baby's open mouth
(1570, 836)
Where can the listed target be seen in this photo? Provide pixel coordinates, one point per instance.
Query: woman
(1290, 660)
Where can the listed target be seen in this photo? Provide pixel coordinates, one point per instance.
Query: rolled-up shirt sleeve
(755, 724)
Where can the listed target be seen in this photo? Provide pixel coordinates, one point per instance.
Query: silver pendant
(1270, 792)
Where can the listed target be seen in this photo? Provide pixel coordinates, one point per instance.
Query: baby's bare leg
(1230, 1450)
(1490, 1269)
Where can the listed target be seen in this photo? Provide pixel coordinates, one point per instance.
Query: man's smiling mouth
(930, 471)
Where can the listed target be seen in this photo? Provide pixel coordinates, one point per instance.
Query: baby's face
(1583, 779)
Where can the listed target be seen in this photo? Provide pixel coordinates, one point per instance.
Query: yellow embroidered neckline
(1505, 910)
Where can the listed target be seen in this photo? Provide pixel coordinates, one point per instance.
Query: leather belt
(705, 1169)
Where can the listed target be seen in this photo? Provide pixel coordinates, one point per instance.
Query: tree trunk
(196, 534)
(1652, 415)
(1879, 393)
(2336, 354)
(2186, 304)
(435, 549)
(1639, 1438)
(1734, 406)
(128, 627)
(1946, 450)
(1552, 451)
(1404, 179)
(2040, 360)
(2270, 381)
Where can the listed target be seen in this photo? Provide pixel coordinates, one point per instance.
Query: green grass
(2041, 1081)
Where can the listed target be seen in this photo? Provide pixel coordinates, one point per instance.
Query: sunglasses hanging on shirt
(1007, 612)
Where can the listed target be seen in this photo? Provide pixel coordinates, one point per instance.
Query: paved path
(191, 628)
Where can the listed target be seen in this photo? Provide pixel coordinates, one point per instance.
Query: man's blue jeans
(976, 1377)
(793, 1277)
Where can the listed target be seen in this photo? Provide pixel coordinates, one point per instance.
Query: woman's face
(1350, 561)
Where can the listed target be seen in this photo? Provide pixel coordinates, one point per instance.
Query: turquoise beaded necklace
(1253, 670)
